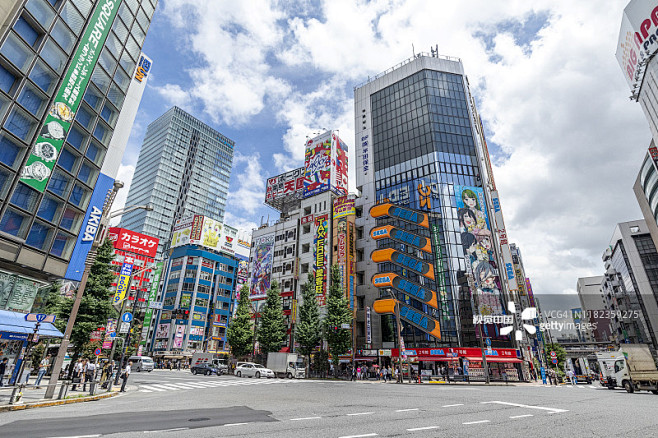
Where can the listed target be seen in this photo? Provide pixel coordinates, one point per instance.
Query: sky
(565, 139)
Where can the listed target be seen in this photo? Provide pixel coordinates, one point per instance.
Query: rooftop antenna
(413, 50)
(437, 50)
(432, 51)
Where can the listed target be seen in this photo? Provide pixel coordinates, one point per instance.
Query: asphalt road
(177, 404)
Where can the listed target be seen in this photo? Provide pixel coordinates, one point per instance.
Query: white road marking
(407, 410)
(235, 424)
(477, 422)
(166, 386)
(79, 436)
(305, 418)
(360, 413)
(166, 430)
(422, 428)
(144, 390)
(450, 406)
(518, 405)
(522, 416)
(151, 388)
(359, 436)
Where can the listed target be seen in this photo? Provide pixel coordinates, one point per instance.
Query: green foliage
(272, 330)
(338, 312)
(95, 306)
(36, 354)
(321, 362)
(561, 356)
(308, 332)
(239, 334)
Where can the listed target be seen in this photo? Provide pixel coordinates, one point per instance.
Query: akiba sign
(92, 224)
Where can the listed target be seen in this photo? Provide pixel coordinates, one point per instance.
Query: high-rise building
(183, 169)
(630, 284)
(594, 308)
(71, 78)
(420, 145)
(646, 190)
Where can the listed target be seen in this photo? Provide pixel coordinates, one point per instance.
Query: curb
(56, 402)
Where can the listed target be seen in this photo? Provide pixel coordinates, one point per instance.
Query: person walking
(44, 365)
(125, 375)
(3, 370)
(90, 374)
(570, 375)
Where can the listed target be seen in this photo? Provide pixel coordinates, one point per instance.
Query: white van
(142, 363)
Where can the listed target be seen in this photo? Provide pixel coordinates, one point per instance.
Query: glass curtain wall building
(183, 169)
(416, 142)
(38, 39)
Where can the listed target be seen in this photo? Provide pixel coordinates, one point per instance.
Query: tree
(272, 330)
(338, 313)
(321, 363)
(560, 353)
(309, 329)
(239, 334)
(96, 304)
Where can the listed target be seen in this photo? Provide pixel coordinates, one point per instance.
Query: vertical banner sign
(440, 275)
(123, 283)
(109, 330)
(317, 165)
(320, 259)
(368, 327)
(153, 295)
(501, 233)
(350, 263)
(51, 137)
(263, 253)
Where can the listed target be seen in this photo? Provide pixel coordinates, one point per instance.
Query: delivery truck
(288, 365)
(634, 369)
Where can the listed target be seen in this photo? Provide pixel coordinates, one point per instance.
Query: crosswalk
(180, 386)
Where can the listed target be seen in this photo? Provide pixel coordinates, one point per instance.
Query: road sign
(155, 305)
(40, 317)
(489, 351)
(113, 335)
(97, 352)
(554, 361)
(488, 342)
(345, 326)
(553, 354)
(124, 327)
(127, 317)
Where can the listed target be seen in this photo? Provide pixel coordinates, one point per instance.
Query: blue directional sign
(127, 317)
(39, 317)
(113, 335)
(488, 342)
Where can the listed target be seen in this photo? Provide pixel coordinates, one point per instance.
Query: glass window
(122, 79)
(127, 62)
(100, 79)
(39, 236)
(79, 196)
(115, 96)
(14, 223)
(84, 6)
(93, 97)
(54, 56)
(87, 174)
(120, 30)
(102, 133)
(11, 152)
(143, 19)
(63, 245)
(26, 31)
(107, 61)
(132, 47)
(76, 138)
(5, 180)
(68, 160)
(32, 100)
(125, 14)
(50, 209)
(109, 114)
(25, 197)
(114, 45)
(20, 124)
(71, 220)
(59, 183)
(138, 34)
(43, 77)
(63, 36)
(17, 52)
(95, 152)
(148, 7)
(7, 79)
(133, 4)
(84, 117)
(72, 18)
(42, 11)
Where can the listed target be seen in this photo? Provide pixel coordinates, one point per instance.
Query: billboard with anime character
(317, 165)
(263, 253)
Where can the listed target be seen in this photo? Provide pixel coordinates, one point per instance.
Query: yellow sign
(122, 288)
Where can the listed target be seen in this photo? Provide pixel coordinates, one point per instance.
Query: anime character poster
(339, 166)
(317, 165)
(263, 254)
(477, 242)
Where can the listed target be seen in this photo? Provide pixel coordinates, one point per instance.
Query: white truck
(634, 369)
(212, 359)
(288, 365)
(606, 361)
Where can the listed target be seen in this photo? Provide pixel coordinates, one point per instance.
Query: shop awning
(494, 359)
(434, 358)
(14, 322)
(363, 359)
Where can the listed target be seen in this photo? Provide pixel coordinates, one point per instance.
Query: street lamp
(91, 258)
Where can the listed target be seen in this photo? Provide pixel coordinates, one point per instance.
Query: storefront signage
(123, 283)
(402, 213)
(320, 259)
(131, 241)
(364, 153)
(402, 236)
(41, 161)
(143, 67)
(417, 291)
(404, 261)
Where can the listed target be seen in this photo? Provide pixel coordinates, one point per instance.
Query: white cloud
(174, 95)
(250, 194)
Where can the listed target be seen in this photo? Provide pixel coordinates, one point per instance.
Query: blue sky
(546, 82)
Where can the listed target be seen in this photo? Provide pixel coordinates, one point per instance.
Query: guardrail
(24, 393)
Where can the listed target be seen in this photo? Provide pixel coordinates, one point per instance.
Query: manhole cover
(199, 419)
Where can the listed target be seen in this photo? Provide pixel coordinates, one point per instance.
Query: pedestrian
(27, 370)
(397, 374)
(125, 375)
(83, 374)
(43, 369)
(106, 374)
(3, 370)
(90, 374)
(77, 374)
(179, 364)
(570, 375)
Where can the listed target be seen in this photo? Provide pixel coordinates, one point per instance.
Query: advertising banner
(123, 283)
(287, 184)
(404, 214)
(407, 287)
(41, 161)
(368, 327)
(206, 232)
(153, 294)
(501, 233)
(263, 254)
(402, 236)
(319, 255)
(179, 334)
(162, 331)
(131, 241)
(110, 328)
(23, 295)
(338, 165)
(344, 206)
(317, 165)
(637, 38)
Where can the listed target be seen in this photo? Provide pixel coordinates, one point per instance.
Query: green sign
(153, 295)
(41, 161)
(439, 272)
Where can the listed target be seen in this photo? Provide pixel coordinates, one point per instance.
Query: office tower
(67, 76)
(183, 169)
(594, 308)
(420, 145)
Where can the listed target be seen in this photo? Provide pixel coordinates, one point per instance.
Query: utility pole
(399, 334)
(91, 258)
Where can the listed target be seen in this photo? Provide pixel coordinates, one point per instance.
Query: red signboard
(447, 352)
(131, 241)
(285, 184)
(654, 153)
(307, 219)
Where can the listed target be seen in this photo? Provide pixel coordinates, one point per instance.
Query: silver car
(250, 369)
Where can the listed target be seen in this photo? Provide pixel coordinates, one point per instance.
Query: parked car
(249, 369)
(204, 368)
(142, 363)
